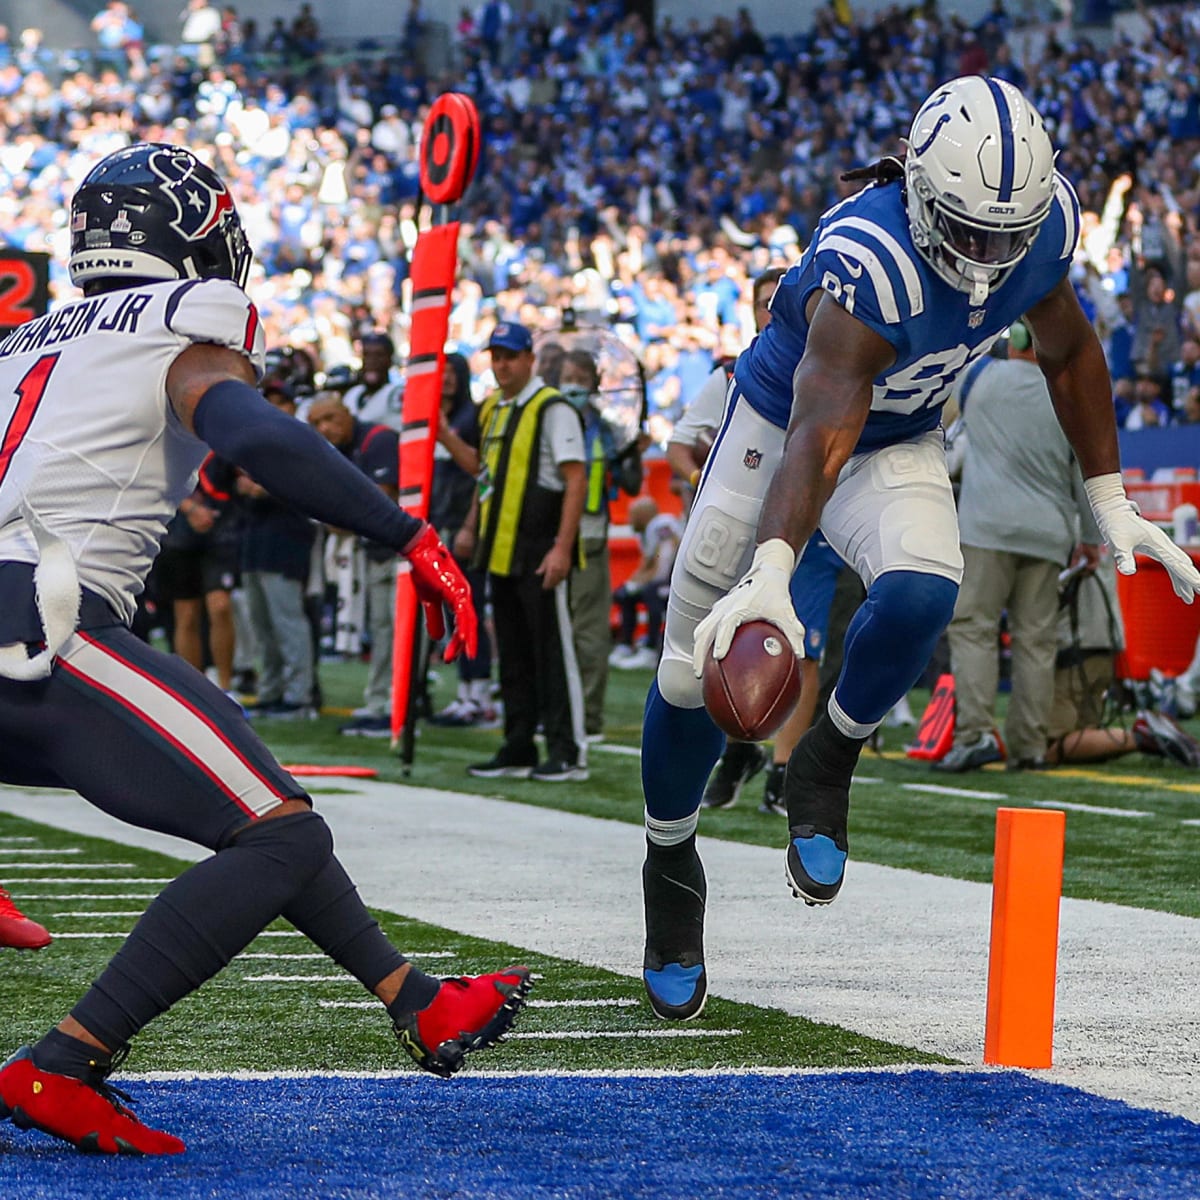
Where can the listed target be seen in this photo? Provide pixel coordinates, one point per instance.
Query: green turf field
(250, 1018)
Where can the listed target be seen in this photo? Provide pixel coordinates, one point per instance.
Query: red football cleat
(17, 931)
(89, 1115)
(468, 1013)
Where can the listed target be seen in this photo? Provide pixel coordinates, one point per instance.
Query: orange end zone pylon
(1023, 962)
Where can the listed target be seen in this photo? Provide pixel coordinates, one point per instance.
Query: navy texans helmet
(154, 212)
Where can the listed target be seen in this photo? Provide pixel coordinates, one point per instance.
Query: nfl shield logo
(975, 319)
(753, 459)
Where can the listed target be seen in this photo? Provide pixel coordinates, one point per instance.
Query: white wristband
(1105, 491)
(775, 553)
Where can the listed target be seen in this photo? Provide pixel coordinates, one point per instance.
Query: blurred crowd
(640, 178)
(643, 175)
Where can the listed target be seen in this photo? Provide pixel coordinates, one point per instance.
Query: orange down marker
(1023, 963)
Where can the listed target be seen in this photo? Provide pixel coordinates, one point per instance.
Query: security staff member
(523, 528)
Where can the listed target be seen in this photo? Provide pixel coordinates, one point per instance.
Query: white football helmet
(979, 175)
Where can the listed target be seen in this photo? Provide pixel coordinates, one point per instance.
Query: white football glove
(761, 595)
(1127, 532)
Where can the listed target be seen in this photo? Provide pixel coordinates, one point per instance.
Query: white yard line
(614, 1035)
(87, 895)
(59, 880)
(1074, 806)
(938, 789)
(74, 866)
(136, 913)
(4, 851)
(583, 1003)
(318, 955)
(901, 956)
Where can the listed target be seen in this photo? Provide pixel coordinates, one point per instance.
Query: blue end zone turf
(887, 1135)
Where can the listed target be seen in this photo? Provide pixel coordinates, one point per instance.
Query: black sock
(416, 992)
(828, 751)
(681, 852)
(63, 1054)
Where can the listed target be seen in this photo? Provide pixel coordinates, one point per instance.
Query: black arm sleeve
(298, 466)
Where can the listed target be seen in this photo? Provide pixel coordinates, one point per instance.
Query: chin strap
(56, 584)
(981, 284)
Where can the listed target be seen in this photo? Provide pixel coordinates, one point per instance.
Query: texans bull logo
(199, 207)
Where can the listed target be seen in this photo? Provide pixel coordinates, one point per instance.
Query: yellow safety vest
(510, 437)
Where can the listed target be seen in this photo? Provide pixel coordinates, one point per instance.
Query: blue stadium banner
(24, 286)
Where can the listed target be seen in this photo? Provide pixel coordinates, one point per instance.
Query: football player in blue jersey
(834, 421)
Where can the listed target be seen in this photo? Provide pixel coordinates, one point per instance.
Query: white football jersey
(93, 457)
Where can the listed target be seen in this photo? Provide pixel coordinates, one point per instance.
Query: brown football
(750, 692)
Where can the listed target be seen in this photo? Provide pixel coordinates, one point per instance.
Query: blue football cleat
(674, 891)
(817, 792)
(816, 865)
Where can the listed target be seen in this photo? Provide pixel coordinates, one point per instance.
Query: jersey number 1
(29, 391)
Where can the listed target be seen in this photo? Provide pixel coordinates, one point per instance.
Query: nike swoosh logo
(853, 269)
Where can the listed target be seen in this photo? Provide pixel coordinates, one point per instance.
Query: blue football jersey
(863, 256)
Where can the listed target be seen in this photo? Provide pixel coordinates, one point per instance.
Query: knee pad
(677, 682)
(301, 841)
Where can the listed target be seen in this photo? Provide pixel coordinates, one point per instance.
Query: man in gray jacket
(1020, 511)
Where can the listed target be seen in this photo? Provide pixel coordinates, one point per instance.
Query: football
(750, 692)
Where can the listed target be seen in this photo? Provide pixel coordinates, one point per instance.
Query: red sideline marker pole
(1023, 962)
(450, 146)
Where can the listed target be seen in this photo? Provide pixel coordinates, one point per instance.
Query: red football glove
(439, 581)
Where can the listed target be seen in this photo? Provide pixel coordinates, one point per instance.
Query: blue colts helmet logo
(199, 206)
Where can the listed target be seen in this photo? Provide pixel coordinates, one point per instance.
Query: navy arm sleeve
(298, 466)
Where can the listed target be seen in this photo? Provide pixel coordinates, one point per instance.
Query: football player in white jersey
(108, 405)
(833, 421)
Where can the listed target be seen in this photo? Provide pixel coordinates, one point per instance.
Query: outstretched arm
(210, 389)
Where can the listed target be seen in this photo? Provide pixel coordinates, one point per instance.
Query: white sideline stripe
(1091, 808)
(865, 779)
(136, 913)
(940, 790)
(89, 896)
(7, 840)
(95, 882)
(75, 866)
(421, 1079)
(1189, 822)
(74, 850)
(628, 1003)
